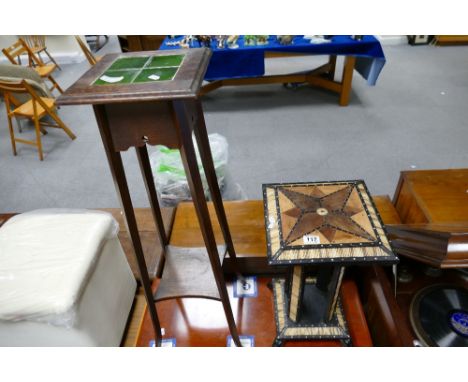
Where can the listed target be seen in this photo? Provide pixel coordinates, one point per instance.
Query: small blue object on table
(246, 64)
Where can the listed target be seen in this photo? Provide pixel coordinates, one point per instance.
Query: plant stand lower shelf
(188, 273)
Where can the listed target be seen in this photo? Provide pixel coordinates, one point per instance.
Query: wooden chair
(37, 45)
(14, 52)
(34, 109)
(92, 59)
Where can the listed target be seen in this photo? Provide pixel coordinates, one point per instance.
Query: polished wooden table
(186, 319)
(373, 310)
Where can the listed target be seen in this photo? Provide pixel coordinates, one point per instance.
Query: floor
(414, 118)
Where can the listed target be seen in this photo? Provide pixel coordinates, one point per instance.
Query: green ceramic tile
(129, 63)
(126, 74)
(165, 74)
(163, 61)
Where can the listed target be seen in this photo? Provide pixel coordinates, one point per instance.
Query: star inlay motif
(328, 214)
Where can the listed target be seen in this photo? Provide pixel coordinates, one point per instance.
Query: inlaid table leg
(187, 152)
(145, 167)
(118, 174)
(334, 291)
(296, 292)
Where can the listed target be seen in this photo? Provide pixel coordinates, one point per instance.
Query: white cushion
(99, 316)
(46, 257)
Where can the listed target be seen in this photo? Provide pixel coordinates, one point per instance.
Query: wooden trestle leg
(332, 65)
(118, 174)
(189, 161)
(347, 79)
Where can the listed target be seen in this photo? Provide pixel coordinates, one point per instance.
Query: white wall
(64, 49)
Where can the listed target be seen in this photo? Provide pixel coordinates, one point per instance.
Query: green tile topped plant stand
(329, 225)
(165, 110)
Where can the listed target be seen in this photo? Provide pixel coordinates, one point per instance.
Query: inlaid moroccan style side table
(329, 225)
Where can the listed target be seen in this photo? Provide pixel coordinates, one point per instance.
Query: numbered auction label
(311, 239)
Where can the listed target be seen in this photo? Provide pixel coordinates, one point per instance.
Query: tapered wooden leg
(210, 172)
(347, 80)
(39, 58)
(118, 174)
(189, 161)
(145, 167)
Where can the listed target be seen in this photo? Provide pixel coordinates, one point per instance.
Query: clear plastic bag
(169, 174)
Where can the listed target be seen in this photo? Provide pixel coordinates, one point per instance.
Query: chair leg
(56, 85)
(62, 125)
(38, 138)
(52, 59)
(40, 58)
(12, 135)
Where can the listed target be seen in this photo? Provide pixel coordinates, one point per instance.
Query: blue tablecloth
(249, 61)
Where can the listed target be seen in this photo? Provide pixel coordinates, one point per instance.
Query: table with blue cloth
(245, 65)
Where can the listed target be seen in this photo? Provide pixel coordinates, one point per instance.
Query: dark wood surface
(246, 223)
(439, 245)
(201, 322)
(186, 83)
(152, 120)
(432, 196)
(247, 227)
(433, 205)
(387, 324)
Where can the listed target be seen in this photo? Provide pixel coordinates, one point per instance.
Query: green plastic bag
(169, 174)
